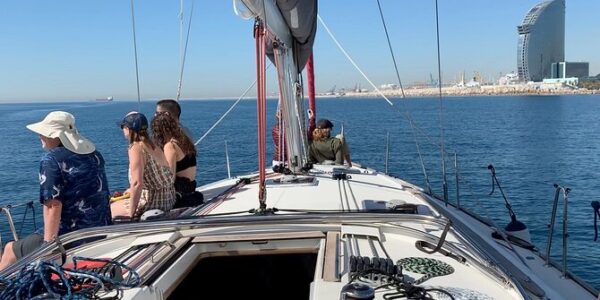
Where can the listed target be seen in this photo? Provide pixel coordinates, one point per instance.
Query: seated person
(172, 107)
(73, 186)
(181, 155)
(324, 148)
(151, 182)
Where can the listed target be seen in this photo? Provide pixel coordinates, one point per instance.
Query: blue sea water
(533, 141)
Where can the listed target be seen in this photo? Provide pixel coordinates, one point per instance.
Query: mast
(261, 108)
(290, 31)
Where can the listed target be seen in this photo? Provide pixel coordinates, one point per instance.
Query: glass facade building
(570, 69)
(541, 40)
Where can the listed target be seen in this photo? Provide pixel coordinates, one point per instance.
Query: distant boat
(107, 99)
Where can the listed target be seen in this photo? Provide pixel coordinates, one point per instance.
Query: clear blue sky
(81, 50)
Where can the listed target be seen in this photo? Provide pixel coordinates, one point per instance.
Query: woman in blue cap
(150, 177)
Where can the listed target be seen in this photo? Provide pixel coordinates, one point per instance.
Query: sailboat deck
(364, 189)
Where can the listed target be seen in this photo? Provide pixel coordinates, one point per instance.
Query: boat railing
(6, 211)
(565, 193)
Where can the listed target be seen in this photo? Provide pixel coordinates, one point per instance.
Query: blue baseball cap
(135, 121)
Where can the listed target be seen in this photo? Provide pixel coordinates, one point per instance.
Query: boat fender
(152, 214)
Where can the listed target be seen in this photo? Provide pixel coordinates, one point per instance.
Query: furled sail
(301, 19)
(291, 27)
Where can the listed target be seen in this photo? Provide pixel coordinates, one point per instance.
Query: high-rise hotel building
(541, 40)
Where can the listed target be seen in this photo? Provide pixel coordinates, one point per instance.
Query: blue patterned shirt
(79, 182)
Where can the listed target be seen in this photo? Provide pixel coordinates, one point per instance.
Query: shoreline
(486, 90)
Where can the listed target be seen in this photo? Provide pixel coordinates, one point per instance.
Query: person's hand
(311, 115)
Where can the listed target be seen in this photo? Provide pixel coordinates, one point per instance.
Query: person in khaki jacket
(325, 149)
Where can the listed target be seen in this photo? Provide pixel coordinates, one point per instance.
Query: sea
(533, 142)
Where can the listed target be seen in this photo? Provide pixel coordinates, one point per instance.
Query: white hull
(165, 253)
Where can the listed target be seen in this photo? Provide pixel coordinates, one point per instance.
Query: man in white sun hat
(73, 187)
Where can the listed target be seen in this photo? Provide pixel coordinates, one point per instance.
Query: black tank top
(186, 162)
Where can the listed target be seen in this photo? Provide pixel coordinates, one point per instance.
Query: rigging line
(437, 31)
(227, 112)
(345, 194)
(352, 61)
(391, 50)
(407, 111)
(427, 137)
(352, 194)
(180, 17)
(414, 127)
(340, 194)
(187, 39)
(137, 76)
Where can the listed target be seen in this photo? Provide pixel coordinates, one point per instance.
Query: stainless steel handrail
(387, 152)
(6, 210)
(565, 191)
(456, 175)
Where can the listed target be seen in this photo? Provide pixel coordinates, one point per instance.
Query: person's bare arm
(52, 213)
(136, 167)
(171, 156)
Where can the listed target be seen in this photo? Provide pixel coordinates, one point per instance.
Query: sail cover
(301, 19)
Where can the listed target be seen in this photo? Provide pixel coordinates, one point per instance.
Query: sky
(81, 50)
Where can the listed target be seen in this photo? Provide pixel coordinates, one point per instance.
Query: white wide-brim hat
(60, 124)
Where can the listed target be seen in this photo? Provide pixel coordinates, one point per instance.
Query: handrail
(565, 233)
(13, 229)
(11, 223)
(456, 179)
(227, 161)
(387, 152)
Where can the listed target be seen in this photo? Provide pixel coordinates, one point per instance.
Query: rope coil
(428, 266)
(42, 279)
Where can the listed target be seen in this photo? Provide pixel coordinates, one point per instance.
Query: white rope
(408, 117)
(352, 61)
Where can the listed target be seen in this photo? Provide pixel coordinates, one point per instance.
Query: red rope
(261, 107)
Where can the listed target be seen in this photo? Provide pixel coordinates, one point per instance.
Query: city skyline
(73, 50)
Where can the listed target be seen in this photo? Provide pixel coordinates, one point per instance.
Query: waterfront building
(541, 40)
(570, 69)
(510, 78)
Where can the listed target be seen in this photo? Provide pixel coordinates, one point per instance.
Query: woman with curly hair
(181, 156)
(150, 178)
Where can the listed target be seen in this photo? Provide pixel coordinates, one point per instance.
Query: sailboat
(314, 231)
